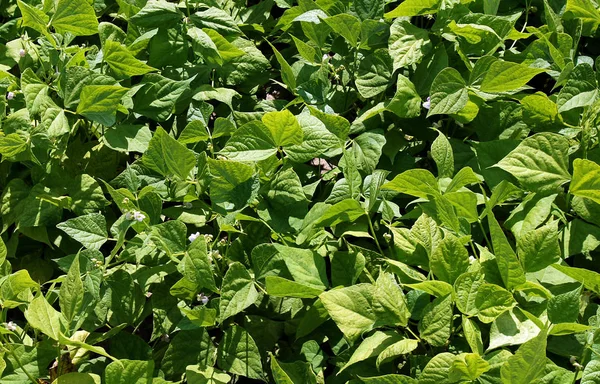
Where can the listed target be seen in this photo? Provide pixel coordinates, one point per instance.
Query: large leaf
(540, 162)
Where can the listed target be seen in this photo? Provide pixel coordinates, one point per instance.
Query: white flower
(10, 96)
(427, 103)
(165, 338)
(148, 294)
(208, 237)
(325, 57)
(194, 236)
(125, 200)
(202, 298)
(22, 52)
(139, 216)
(128, 216)
(387, 236)
(11, 326)
(472, 259)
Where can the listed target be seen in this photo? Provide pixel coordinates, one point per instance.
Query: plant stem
(374, 234)
(14, 355)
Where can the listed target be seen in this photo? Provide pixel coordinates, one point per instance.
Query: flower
(194, 236)
(472, 259)
(202, 298)
(139, 216)
(427, 103)
(135, 215)
(325, 57)
(148, 294)
(10, 96)
(165, 338)
(208, 237)
(22, 52)
(11, 326)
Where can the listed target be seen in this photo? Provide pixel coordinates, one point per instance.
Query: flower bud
(10, 96)
(22, 52)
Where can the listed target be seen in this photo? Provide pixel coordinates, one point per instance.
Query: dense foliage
(299, 191)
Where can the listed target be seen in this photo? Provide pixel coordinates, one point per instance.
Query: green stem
(374, 234)
(14, 355)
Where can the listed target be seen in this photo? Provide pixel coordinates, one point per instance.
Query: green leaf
(589, 279)
(89, 230)
(157, 97)
(508, 264)
(12, 144)
(414, 182)
(155, 13)
(527, 364)
(77, 378)
(586, 11)
(280, 287)
(580, 90)
(591, 372)
(71, 292)
(414, 8)
(233, 185)
(194, 375)
(317, 141)
(407, 43)
(181, 353)
(239, 354)
(540, 162)
(435, 325)
(503, 76)
(468, 367)
(448, 93)
(586, 180)
(374, 73)
(284, 128)
(122, 62)
(76, 17)
(406, 102)
(128, 138)
(539, 248)
(564, 307)
(251, 142)
(290, 373)
(351, 309)
(389, 302)
(237, 291)
(33, 17)
(491, 301)
(217, 20)
(372, 346)
(345, 211)
(167, 156)
(399, 348)
(466, 287)
(100, 102)
(437, 369)
(345, 25)
(287, 74)
(442, 154)
(40, 315)
(126, 371)
(449, 259)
